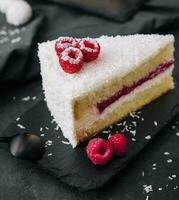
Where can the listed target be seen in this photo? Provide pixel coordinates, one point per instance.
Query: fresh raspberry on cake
(71, 60)
(119, 144)
(64, 42)
(90, 49)
(99, 151)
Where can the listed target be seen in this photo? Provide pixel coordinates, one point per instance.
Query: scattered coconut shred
(17, 12)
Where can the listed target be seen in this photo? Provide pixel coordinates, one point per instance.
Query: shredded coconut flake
(143, 174)
(175, 187)
(65, 142)
(15, 40)
(169, 161)
(148, 188)
(155, 123)
(21, 126)
(133, 132)
(56, 128)
(105, 131)
(49, 143)
(166, 153)
(26, 98)
(34, 98)
(174, 175)
(18, 118)
(148, 137)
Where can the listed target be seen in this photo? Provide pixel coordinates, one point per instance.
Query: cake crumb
(49, 154)
(41, 129)
(42, 135)
(177, 133)
(133, 139)
(160, 189)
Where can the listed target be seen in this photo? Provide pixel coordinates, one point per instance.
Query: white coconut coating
(119, 56)
(18, 12)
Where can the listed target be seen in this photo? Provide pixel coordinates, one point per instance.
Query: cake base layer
(122, 110)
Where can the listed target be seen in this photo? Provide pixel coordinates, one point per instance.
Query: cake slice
(130, 72)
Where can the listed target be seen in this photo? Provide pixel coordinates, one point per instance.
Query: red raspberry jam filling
(101, 106)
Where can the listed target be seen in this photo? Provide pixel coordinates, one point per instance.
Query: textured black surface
(72, 165)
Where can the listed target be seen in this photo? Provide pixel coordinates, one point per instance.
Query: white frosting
(119, 56)
(17, 12)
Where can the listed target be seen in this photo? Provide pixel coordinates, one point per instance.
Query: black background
(19, 64)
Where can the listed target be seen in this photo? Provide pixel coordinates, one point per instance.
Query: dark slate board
(72, 165)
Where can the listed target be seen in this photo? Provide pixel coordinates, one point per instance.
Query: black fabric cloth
(19, 65)
(118, 10)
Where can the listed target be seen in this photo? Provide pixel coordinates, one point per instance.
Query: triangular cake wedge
(130, 72)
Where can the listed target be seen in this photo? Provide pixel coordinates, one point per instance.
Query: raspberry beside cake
(129, 73)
